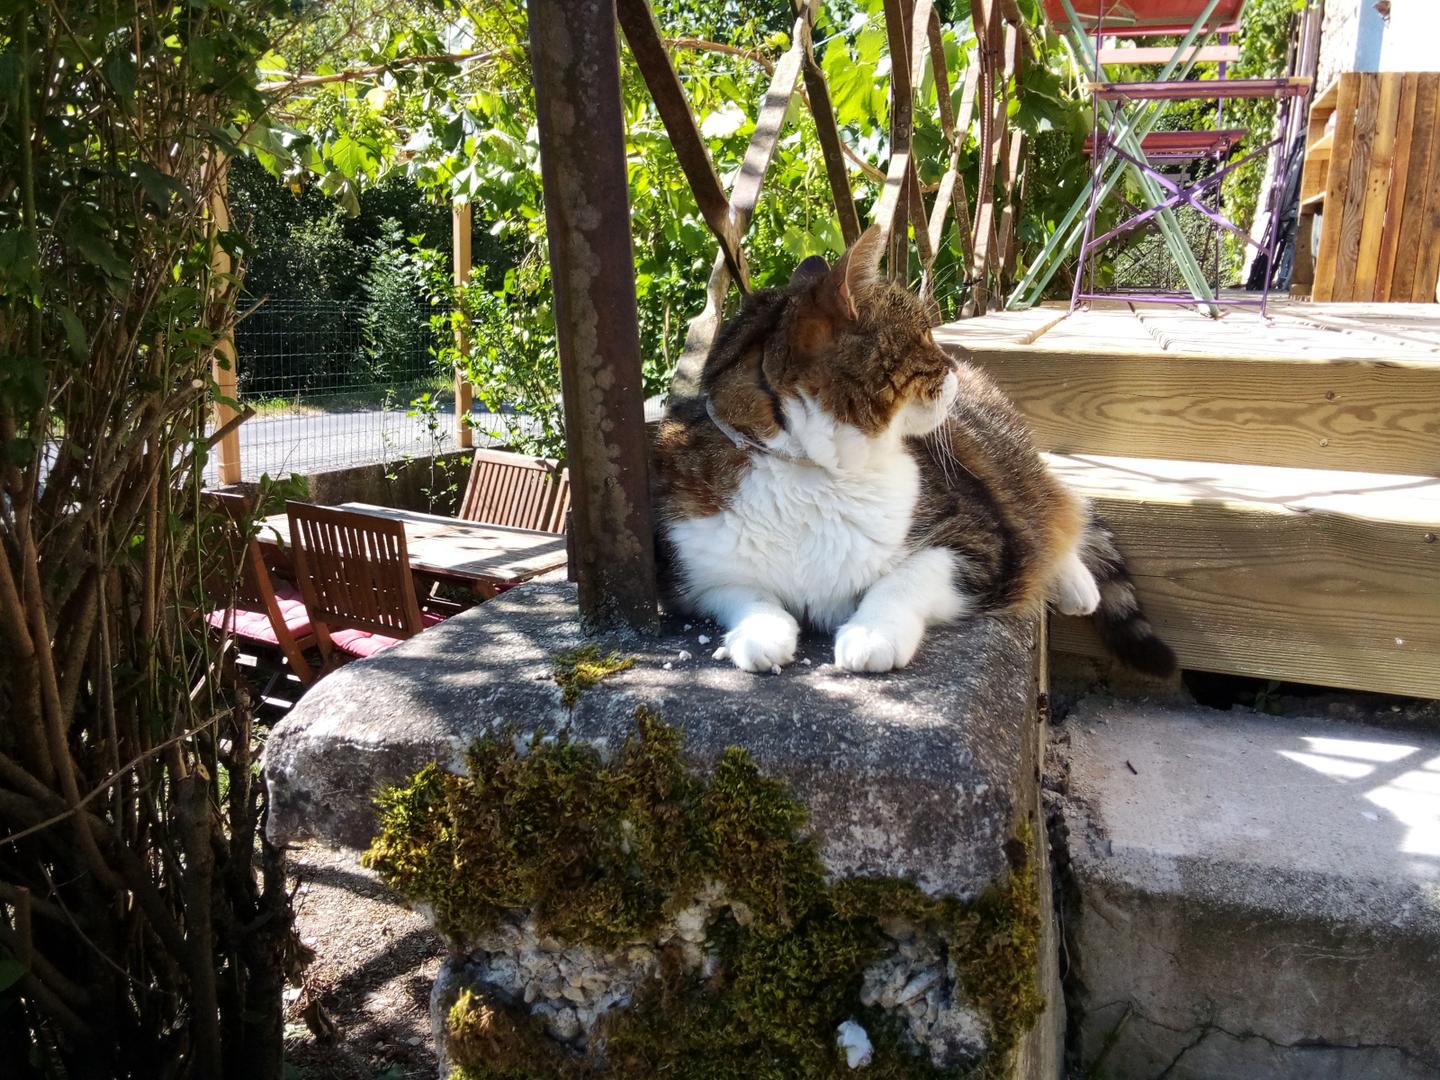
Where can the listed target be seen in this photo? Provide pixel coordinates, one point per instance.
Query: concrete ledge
(921, 774)
(1251, 896)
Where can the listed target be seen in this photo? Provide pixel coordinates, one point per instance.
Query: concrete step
(1312, 386)
(1249, 897)
(1303, 575)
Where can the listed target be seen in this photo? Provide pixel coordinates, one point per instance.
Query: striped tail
(1119, 619)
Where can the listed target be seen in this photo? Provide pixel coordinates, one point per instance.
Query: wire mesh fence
(336, 384)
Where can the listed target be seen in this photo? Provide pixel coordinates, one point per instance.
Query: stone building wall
(1338, 38)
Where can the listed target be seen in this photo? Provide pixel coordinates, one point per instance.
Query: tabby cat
(840, 469)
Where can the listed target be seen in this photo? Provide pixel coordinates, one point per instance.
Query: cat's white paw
(873, 648)
(763, 641)
(1076, 592)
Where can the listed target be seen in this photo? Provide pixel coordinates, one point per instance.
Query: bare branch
(285, 87)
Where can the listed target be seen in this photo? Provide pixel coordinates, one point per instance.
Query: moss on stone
(602, 852)
(579, 669)
(493, 1042)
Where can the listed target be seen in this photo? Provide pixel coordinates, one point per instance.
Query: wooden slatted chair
(354, 573)
(266, 613)
(517, 492)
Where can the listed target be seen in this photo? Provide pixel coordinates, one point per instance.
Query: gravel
(368, 989)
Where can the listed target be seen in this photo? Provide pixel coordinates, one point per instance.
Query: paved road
(313, 442)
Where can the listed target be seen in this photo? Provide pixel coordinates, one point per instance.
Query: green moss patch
(580, 669)
(603, 852)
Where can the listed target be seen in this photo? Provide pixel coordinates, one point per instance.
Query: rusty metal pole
(575, 55)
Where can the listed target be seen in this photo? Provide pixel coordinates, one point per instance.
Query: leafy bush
(149, 916)
(395, 320)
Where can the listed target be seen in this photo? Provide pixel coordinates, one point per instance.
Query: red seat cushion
(255, 625)
(363, 643)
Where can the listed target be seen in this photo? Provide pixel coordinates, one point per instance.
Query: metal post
(576, 61)
(460, 237)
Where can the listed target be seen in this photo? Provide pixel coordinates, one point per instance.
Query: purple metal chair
(1123, 113)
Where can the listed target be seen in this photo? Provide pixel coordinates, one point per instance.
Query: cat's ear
(857, 268)
(811, 269)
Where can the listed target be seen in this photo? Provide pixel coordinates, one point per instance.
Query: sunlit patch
(1358, 748)
(1410, 796)
(1413, 799)
(1338, 768)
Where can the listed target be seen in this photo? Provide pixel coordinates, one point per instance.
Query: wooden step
(1312, 386)
(1295, 574)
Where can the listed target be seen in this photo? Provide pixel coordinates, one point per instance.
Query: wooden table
(463, 552)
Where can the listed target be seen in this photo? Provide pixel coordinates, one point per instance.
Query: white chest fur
(812, 538)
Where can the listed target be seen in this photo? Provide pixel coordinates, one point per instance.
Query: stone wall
(1338, 37)
(430, 484)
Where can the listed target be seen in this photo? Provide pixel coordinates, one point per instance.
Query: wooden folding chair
(354, 573)
(517, 492)
(267, 614)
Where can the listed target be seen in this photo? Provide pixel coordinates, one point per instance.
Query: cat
(839, 469)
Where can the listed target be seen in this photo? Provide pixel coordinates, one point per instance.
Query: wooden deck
(1275, 481)
(1329, 386)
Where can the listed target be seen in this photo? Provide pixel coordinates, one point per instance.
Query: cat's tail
(1119, 619)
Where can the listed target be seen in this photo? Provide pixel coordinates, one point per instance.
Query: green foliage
(602, 853)
(169, 959)
(467, 130)
(396, 317)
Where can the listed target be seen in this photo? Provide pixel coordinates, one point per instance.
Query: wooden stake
(464, 392)
(223, 367)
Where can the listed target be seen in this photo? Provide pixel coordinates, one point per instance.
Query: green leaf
(10, 969)
(18, 269)
(120, 73)
(201, 51)
(99, 253)
(160, 188)
(11, 68)
(74, 333)
(349, 156)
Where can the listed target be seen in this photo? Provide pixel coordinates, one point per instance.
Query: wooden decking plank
(1390, 236)
(1083, 329)
(1337, 183)
(1412, 209)
(1367, 110)
(1248, 334)
(1399, 334)
(1001, 327)
(1311, 577)
(1370, 415)
(1377, 187)
(1427, 265)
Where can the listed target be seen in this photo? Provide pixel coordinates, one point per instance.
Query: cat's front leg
(762, 635)
(887, 627)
